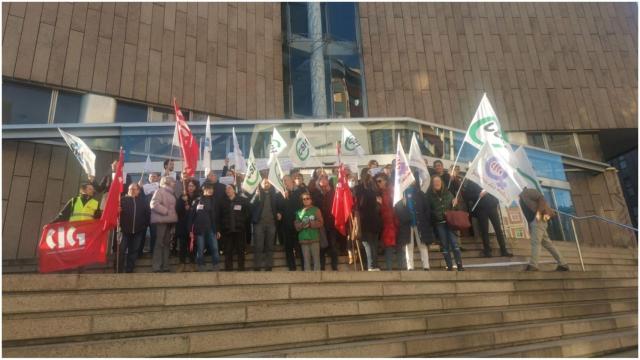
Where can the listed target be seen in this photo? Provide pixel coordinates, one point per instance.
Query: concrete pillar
(316, 63)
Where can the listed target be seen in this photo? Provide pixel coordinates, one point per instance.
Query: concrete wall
(600, 195)
(544, 66)
(224, 59)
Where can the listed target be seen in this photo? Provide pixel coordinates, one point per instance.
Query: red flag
(68, 245)
(111, 210)
(342, 202)
(188, 144)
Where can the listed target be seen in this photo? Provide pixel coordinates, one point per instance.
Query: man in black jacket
(323, 199)
(236, 218)
(486, 210)
(134, 219)
(290, 205)
(266, 213)
(204, 220)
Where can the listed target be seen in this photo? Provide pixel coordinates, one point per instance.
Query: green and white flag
(416, 160)
(275, 175)
(495, 175)
(524, 170)
(404, 177)
(485, 127)
(350, 145)
(277, 145)
(238, 158)
(302, 152)
(252, 176)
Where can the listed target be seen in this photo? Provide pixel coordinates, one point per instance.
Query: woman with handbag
(440, 202)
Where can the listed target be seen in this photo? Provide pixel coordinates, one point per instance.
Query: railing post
(575, 236)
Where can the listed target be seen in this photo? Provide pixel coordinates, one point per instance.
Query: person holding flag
(440, 201)
(80, 208)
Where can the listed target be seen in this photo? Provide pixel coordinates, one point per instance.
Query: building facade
(561, 76)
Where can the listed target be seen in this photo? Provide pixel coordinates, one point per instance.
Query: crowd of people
(198, 221)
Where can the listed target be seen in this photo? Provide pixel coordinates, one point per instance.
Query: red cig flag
(342, 202)
(111, 211)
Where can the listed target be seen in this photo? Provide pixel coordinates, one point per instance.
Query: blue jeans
(207, 239)
(400, 257)
(448, 244)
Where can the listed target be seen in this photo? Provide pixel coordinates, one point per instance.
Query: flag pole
(456, 161)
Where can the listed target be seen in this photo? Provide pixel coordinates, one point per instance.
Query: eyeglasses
(306, 198)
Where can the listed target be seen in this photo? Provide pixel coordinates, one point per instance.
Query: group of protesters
(197, 220)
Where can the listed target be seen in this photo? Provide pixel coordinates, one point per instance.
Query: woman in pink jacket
(389, 221)
(163, 214)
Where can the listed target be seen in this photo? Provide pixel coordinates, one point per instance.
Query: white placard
(375, 171)
(261, 164)
(150, 188)
(227, 180)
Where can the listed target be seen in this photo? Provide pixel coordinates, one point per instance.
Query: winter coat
(439, 203)
(135, 213)
(289, 208)
(182, 228)
(325, 203)
(203, 216)
(532, 201)
(369, 209)
(422, 217)
(389, 219)
(257, 204)
(471, 193)
(235, 215)
(163, 206)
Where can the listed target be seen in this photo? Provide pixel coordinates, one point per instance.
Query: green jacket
(439, 202)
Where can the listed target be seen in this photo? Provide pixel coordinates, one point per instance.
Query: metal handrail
(599, 218)
(575, 233)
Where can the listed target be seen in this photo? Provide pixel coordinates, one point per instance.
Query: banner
(525, 174)
(342, 202)
(416, 160)
(277, 145)
(68, 245)
(252, 177)
(206, 153)
(494, 175)
(81, 151)
(275, 176)
(349, 144)
(238, 157)
(188, 144)
(404, 178)
(302, 152)
(485, 127)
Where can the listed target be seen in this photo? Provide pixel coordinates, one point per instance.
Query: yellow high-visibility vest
(83, 212)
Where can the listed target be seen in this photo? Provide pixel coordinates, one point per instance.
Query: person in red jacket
(389, 222)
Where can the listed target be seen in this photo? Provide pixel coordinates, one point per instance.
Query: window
(68, 107)
(590, 146)
(382, 141)
(432, 143)
(340, 20)
(562, 143)
(468, 151)
(546, 165)
(166, 115)
(554, 229)
(565, 204)
(535, 139)
(24, 104)
(130, 112)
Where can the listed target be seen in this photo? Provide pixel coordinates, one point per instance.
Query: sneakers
(562, 268)
(531, 268)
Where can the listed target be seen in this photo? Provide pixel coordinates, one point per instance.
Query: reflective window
(468, 151)
(432, 143)
(68, 107)
(298, 16)
(535, 139)
(554, 229)
(24, 104)
(564, 203)
(590, 146)
(130, 112)
(562, 143)
(159, 114)
(340, 20)
(300, 78)
(382, 141)
(547, 165)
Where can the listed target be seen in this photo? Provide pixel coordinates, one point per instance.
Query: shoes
(531, 268)
(562, 268)
(374, 269)
(460, 268)
(449, 268)
(487, 254)
(426, 269)
(506, 253)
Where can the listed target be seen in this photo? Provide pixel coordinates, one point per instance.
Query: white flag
(275, 175)
(82, 152)
(238, 158)
(176, 140)
(485, 127)
(206, 152)
(277, 145)
(524, 170)
(404, 178)
(494, 174)
(302, 152)
(252, 177)
(146, 168)
(350, 145)
(416, 160)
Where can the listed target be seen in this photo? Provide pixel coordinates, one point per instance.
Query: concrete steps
(292, 313)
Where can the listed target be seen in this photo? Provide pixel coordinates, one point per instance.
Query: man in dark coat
(235, 224)
(323, 199)
(486, 210)
(134, 219)
(415, 227)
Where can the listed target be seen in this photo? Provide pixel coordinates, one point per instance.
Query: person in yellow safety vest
(80, 208)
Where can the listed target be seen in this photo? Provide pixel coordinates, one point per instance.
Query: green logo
(487, 125)
(275, 145)
(529, 178)
(252, 176)
(351, 143)
(302, 149)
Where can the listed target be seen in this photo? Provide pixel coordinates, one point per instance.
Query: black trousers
(291, 247)
(183, 248)
(234, 242)
(332, 250)
(484, 216)
(129, 250)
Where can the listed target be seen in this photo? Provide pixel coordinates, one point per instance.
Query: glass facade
(25, 104)
(344, 87)
(562, 143)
